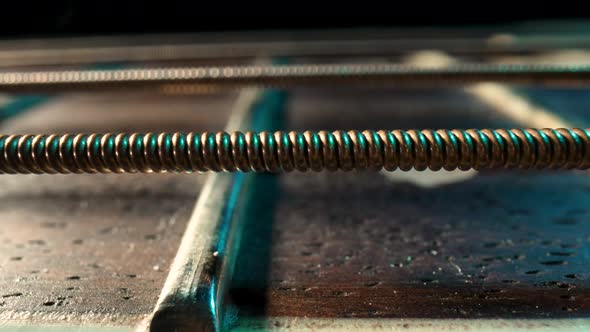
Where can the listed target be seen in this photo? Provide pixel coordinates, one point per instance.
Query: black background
(47, 18)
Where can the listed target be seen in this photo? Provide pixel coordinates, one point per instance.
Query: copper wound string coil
(288, 151)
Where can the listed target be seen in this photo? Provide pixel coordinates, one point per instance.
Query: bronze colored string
(285, 75)
(296, 151)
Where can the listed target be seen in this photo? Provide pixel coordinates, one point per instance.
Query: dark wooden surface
(363, 245)
(359, 245)
(95, 249)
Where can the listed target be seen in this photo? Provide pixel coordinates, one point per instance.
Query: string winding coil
(296, 151)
